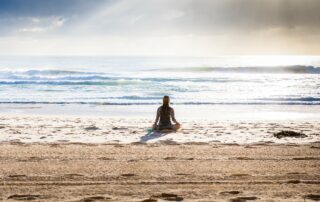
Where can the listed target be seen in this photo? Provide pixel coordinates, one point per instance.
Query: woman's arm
(157, 117)
(172, 117)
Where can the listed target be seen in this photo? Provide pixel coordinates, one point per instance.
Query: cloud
(41, 25)
(179, 27)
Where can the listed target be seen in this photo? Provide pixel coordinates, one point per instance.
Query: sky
(159, 27)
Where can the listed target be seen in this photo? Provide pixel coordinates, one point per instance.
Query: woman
(164, 115)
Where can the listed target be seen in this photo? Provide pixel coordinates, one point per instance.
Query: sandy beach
(133, 172)
(69, 158)
(100, 130)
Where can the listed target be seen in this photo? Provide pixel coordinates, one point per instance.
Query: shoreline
(188, 112)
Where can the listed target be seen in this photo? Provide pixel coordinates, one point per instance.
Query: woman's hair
(165, 100)
(165, 105)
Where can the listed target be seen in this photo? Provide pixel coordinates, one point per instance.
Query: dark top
(165, 118)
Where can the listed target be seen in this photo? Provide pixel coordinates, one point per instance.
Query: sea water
(228, 80)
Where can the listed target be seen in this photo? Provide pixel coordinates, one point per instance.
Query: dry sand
(72, 129)
(129, 172)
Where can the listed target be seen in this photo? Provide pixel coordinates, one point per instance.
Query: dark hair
(165, 105)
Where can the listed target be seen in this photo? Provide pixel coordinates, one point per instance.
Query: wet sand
(137, 172)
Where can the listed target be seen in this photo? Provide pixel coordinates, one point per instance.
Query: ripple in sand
(25, 197)
(149, 200)
(306, 158)
(244, 198)
(95, 198)
(91, 128)
(106, 158)
(170, 158)
(314, 197)
(16, 176)
(230, 192)
(128, 175)
(240, 175)
(293, 181)
(73, 175)
(241, 158)
(169, 197)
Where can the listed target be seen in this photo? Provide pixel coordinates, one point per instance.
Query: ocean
(227, 80)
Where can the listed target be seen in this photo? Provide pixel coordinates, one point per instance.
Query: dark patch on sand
(293, 181)
(73, 175)
(119, 128)
(170, 158)
(314, 197)
(169, 197)
(240, 175)
(306, 158)
(95, 198)
(241, 158)
(230, 192)
(288, 133)
(128, 175)
(149, 200)
(244, 199)
(91, 128)
(106, 158)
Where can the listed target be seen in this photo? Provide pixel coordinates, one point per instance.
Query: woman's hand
(178, 125)
(154, 126)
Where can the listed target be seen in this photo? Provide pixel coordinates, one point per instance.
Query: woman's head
(166, 100)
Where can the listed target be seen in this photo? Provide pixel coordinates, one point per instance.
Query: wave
(53, 72)
(97, 83)
(302, 101)
(294, 69)
(85, 78)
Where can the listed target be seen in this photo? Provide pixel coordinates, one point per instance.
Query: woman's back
(165, 115)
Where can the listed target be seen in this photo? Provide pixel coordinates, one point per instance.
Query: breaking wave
(295, 69)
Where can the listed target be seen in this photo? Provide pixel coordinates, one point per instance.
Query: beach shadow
(154, 135)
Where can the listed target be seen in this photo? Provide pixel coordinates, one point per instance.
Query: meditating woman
(164, 115)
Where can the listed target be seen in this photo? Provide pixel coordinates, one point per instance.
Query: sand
(86, 129)
(208, 172)
(59, 158)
